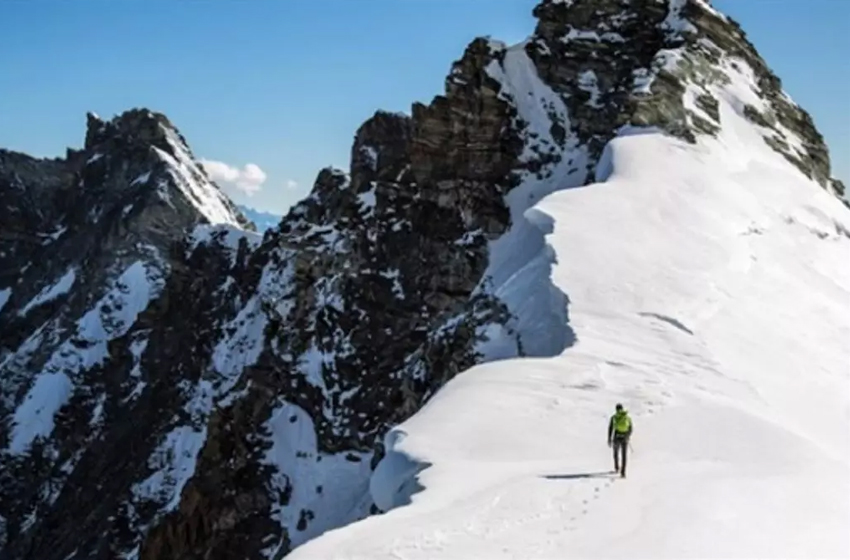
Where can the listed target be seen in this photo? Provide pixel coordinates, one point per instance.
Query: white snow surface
(709, 288)
(317, 482)
(173, 464)
(61, 287)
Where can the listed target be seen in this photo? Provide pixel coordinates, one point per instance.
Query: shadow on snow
(601, 474)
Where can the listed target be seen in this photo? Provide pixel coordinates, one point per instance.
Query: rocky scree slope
(214, 394)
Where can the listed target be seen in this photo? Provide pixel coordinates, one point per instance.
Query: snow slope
(110, 317)
(709, 288)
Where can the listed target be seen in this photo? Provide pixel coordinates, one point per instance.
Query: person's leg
(624, 446)
(616, 447)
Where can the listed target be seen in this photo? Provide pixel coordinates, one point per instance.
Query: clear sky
(284, 85)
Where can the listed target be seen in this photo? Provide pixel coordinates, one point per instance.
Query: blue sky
(284, 85)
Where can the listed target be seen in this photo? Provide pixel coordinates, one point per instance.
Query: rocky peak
(380, 150)
(372, 294)
(788, 128)
(141, 152)
(463, 146)
(105, 229)
(30, 213)
(135, 126)
(349, 315)
(658, 63)
(94, 129)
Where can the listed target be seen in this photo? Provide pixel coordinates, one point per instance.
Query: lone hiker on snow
(619, 431)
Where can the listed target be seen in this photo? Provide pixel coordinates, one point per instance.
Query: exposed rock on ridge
(652, 63)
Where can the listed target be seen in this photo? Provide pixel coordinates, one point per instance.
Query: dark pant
(620, 446)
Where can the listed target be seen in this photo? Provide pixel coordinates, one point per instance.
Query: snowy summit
(421, 359)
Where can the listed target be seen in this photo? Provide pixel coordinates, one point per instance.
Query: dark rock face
(589, 52)
(221, 394)
(87, 243)
(376, 274)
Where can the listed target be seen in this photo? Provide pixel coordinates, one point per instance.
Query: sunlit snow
(708, 288)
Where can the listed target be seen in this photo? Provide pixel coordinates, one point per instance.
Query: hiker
(619, 431)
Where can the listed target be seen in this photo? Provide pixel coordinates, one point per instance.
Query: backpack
(622, 422)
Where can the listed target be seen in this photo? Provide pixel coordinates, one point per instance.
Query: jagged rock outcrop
(88, 242)
(368, 296)
(218, 394)
(652, 63)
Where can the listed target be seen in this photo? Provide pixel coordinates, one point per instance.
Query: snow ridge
(521, 260)
(692, 331)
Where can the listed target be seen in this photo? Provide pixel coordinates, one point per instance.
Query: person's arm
(610, 430)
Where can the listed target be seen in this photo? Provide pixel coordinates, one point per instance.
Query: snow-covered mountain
(705, 255)
(262, 220)
(626, 206)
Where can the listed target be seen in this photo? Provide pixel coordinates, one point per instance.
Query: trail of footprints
(562, 526)
(587, 501)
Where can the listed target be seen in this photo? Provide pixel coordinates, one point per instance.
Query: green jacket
(620, 426)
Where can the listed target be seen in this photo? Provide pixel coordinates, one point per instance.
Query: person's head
(619, 407)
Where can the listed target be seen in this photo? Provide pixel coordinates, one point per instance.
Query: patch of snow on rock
(111, 317)
(318, 485)
(61, 287)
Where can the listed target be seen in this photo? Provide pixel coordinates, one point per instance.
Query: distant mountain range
(263, 220)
